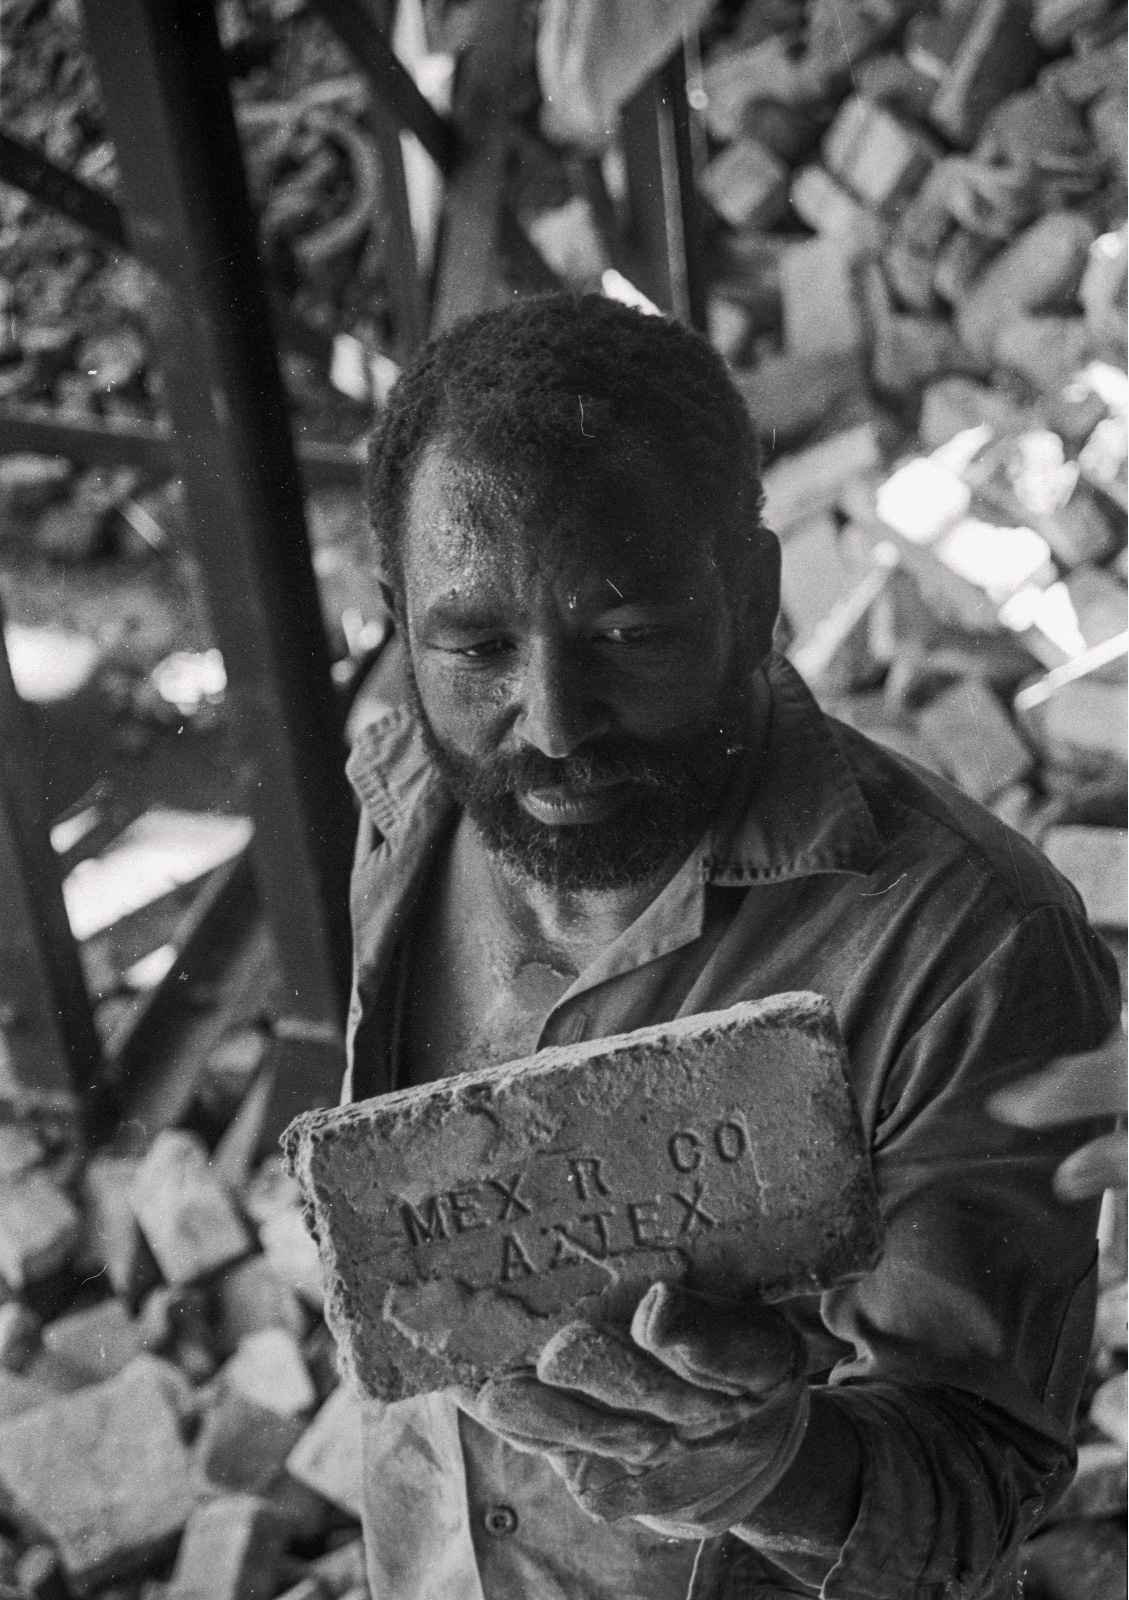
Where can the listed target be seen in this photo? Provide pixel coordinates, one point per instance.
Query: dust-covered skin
(600, 650)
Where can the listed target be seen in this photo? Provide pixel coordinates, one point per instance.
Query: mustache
(606, 762)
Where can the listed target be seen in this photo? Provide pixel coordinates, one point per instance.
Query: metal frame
(187, 216)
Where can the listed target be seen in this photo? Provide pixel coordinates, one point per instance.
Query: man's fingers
(606, 1368)
(735, 1347)
(1070, 1089)
(1099, 1165)
(548, 1418)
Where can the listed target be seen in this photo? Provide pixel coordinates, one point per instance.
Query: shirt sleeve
(971, 1336)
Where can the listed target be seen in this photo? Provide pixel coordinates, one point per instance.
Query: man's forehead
(465, 510)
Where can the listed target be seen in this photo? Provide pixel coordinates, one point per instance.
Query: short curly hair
(553, 385)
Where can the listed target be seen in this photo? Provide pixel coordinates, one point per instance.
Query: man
(605, 804)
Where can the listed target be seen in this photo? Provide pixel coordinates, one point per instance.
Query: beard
(672, 792)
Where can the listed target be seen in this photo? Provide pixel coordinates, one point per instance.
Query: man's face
(579, 667)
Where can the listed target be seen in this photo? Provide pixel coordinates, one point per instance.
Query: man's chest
(476, 993)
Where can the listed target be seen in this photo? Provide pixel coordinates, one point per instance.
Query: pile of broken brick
(179, 1431)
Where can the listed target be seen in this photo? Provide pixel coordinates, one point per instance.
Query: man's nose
(559, 711)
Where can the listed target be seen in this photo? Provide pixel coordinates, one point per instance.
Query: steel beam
(26, 168)
(48, 1042)
(359, 29)
(185, 194)
(662, 195)
(467, 264)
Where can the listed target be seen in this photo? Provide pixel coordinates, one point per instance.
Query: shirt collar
(795, 811)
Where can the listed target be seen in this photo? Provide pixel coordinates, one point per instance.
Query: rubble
(916, 229)
(101, 1474)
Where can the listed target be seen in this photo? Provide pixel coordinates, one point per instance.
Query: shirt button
(499, 1521)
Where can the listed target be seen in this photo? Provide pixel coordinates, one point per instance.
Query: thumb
(738, 1347)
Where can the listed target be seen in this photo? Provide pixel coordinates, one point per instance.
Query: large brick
(92, 1344)
(102, 1474)
(463, 1222)
(820, 312)
(185, 1214)
(230, 1551)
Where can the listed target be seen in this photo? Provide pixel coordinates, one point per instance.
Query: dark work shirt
(956, 960)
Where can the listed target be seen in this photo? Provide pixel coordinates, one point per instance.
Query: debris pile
(170, 1419)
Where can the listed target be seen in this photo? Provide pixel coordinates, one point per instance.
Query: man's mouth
(558, 806)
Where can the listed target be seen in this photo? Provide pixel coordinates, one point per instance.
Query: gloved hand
(687, 1424)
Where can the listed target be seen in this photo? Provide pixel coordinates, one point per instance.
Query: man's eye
(488, 650)
(640, 635)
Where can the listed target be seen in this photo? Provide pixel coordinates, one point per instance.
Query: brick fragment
(803, 485)
(972, 737)
(1096, 861)
(819, 309)
(184, 1213)
(101, 1474)
(231, 1550)
(829, 209)
(19, 1335)
(21, 1150)
(815, 574)
(996, 54)
(38, 1575)
(111, 1237)
(463, 1222)
(1099, 602)
(38, 1229)
(249, 1297)
(1082, 726)
(242, 1448)
(1043, 267)
(327, 1458)
(268, 1369)
(746, 185)
(880, 159)
(93, 1344)
(20, 1393)
(292, 1255)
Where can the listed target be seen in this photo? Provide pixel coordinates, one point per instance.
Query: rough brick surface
(38, 1229)
(463, 1222)
(102, 1473)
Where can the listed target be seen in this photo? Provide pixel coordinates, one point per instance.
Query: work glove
(686, 1424)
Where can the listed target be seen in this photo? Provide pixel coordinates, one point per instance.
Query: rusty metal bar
(185, 194)
(48, 1042)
